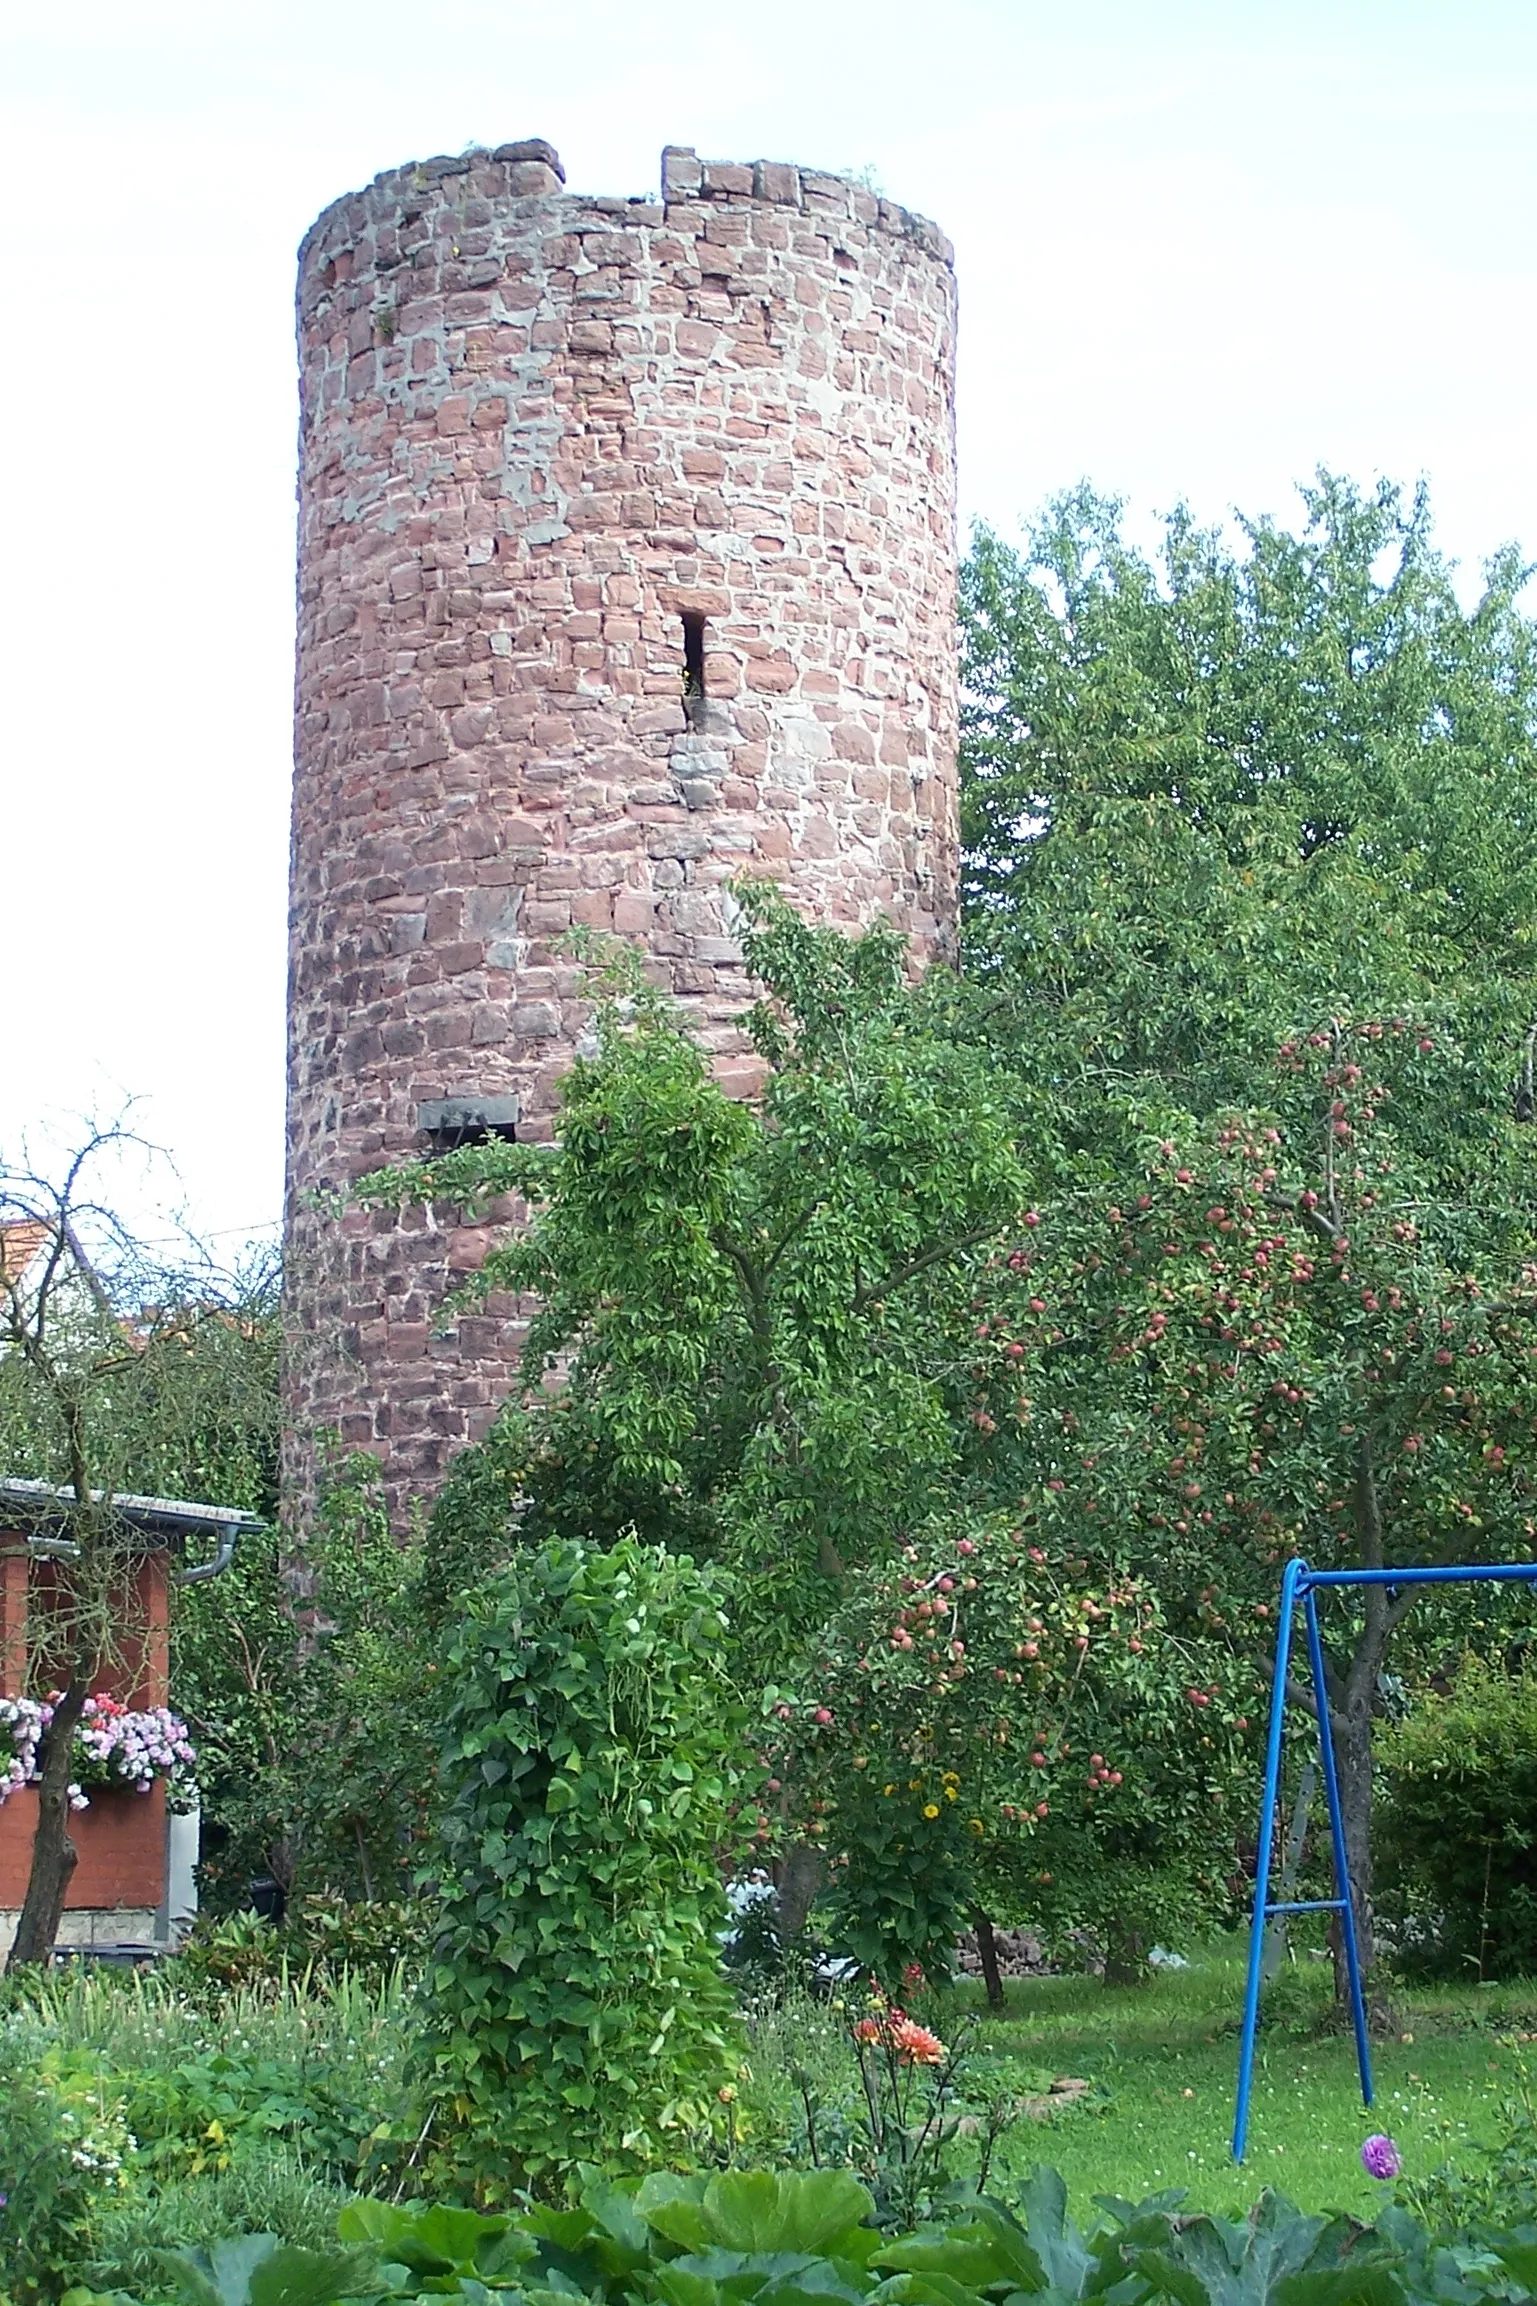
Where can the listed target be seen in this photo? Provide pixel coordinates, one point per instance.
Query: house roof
(21, 1244)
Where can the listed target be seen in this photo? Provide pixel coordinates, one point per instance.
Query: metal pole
(1494, 1572)
(1300, 1582)
(1342, 1883)
(1293, 1573)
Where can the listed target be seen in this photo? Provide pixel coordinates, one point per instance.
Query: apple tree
(1003, 1722)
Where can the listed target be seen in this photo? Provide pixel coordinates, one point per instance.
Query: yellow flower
(931, 1809)
(913, 1785)
(975, 1825)
(952, 1778)
(949, 1793)
(888, 1789)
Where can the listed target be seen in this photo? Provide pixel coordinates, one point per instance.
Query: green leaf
(1518, 2258)
(292, 2276)
(220, 2276)
(959, 2258)
(679, 2288)
(673, 2207)
(756, 2210)
(1055, 2242)
(925, 2289)
(1370, 2283)
(259, 2270)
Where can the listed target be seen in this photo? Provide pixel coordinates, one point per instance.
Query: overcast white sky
(1204, 246)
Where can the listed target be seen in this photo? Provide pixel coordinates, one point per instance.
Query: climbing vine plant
(591, 1762)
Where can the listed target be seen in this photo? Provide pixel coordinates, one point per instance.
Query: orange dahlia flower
(914, 2044)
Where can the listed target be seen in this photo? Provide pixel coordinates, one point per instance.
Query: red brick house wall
(121, 1837)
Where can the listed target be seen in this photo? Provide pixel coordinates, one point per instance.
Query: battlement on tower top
(531, 169)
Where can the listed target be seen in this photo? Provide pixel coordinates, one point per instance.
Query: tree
(1252, 852)
(1002, 1721)
(1304, 1333)
(1208, 799)
(118, 1375)
(733, 1346)
(312, 1716)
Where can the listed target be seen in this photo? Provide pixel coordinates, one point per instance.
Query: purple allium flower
(1380, 2158)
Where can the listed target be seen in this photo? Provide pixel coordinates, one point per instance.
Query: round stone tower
(627, 566)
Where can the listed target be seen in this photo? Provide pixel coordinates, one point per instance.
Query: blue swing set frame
(1300, 1583)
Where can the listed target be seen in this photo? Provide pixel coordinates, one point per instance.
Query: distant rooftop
(21, 1243)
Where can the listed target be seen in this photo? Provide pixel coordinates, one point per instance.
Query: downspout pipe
(201, 1571)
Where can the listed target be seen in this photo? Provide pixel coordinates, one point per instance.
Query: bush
(63, 2149)
(900, 1897)
(321, 1936)
(269, 2191)
(591, 1754)
(1458, 1820)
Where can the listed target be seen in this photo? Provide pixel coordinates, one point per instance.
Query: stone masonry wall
(539, 432)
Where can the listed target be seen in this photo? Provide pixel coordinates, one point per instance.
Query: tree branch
(792, 1232)
(1525, 1098)
(1366, 1664)
(1297, 1693)
(935, 1254)
(1315, 1220)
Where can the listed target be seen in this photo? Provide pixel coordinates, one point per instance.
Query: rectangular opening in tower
(693, 666)
(449, 1122)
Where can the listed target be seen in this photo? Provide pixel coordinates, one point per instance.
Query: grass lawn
(1163, 2062)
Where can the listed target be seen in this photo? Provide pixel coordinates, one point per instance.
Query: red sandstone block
(634, 913)
(546, 917)
(531, 180)
(773, 180)
(535, 1020)
(776, 675)
(454, 960)
(449, 1032)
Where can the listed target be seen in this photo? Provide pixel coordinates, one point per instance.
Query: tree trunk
(1350, 1698)
(1352, 1726)
(1125, 1954)
(987, 1954)
(53, 1853)
(1353, 1763)
(1296, 1843)
(801, 1874)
